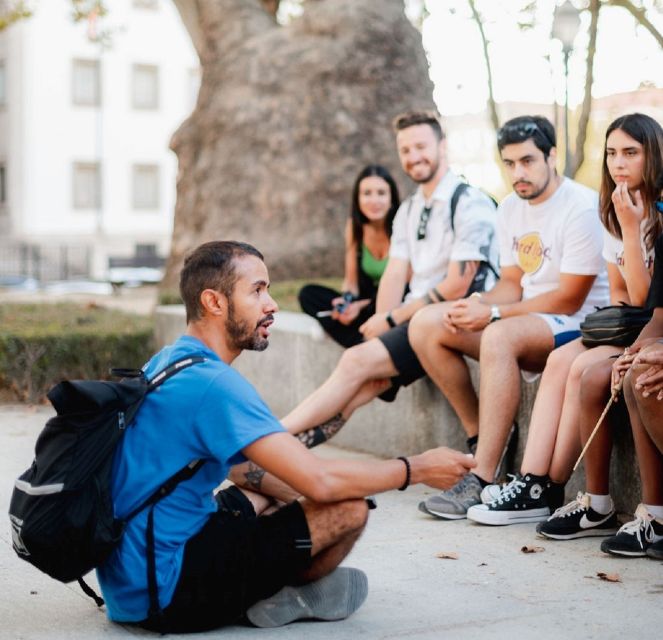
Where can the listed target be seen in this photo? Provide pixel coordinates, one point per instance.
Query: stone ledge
(301, 356)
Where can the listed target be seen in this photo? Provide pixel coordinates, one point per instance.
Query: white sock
(601, 504)
(656, 510)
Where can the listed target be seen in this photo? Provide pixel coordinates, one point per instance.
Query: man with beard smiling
(436, 257)
(220, 558)
(550, 255)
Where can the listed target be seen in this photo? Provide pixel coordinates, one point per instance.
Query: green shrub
(41, 344)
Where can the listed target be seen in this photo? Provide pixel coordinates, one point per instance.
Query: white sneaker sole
(585, 533)
(480, 513)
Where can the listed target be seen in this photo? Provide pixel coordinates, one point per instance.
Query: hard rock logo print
(531, 252)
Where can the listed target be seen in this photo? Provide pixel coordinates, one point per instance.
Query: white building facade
(84, 132)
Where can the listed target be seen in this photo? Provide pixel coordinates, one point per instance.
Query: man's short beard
(240, 335)
(433, 170)
(538, 192)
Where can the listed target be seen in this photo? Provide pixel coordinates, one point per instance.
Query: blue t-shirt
(208, 411)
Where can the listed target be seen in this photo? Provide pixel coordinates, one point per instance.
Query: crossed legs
(358, 377)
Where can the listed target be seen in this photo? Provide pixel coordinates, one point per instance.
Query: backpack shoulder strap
(172, 369)
(455, 197)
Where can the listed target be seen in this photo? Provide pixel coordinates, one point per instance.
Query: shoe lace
(581, 503)
(510, 489)
(640, 527)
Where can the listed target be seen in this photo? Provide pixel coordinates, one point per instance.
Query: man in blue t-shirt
(222, 557)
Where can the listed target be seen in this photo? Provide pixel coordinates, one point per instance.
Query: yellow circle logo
(530, 252)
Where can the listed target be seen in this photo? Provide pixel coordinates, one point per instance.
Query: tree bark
(640, 14)
(492, 106)
(578, 156)
(285, 119)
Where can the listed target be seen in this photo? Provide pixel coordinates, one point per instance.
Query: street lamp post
(566, 22)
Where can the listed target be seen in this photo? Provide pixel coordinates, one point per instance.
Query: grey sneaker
(333, 597)
(454, 503)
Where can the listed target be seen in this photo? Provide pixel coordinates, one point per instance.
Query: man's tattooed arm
(323, 432)
(254, 475)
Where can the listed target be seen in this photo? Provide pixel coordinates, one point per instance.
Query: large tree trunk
(285, 119)
(578, 157)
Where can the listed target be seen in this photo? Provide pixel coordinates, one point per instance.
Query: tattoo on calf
(323, 432)
(254, 476)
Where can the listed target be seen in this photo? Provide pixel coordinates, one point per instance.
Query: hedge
(41, 344)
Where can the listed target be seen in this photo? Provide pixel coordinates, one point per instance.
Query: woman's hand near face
(630, 211)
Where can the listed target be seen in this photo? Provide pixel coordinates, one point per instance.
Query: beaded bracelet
(408, 473)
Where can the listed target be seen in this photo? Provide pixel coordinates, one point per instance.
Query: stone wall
(301, 356)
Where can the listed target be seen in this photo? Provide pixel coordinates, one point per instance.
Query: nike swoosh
(586, 523)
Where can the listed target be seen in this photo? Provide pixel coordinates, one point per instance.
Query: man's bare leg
(441, 354)
(325, 591)
(334, 530)
(522, 342)
(358, 365)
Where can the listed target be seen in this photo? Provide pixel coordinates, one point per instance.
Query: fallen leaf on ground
(608, 577)
(531, 549)
(447, 555)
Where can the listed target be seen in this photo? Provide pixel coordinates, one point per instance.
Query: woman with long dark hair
(375, 201)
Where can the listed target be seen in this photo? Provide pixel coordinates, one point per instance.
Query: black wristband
(390, 320)
(408, 473)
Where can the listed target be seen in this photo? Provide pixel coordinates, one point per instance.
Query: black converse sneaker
(635, 537)
(578, 520)
(521, 500)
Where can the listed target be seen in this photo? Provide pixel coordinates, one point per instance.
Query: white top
(561, 235)
(474, 237)
(613, 249)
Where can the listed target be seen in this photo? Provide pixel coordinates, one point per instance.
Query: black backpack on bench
(61, 510)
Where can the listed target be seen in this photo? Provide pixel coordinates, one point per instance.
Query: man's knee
(426, 326)
(358, 361)
(331, 523)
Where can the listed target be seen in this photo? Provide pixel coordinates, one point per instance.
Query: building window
(3, 83)
(87, 185)
(86, 84)
(145, 186)
(145, 86)
(146, 4)
(3, 185)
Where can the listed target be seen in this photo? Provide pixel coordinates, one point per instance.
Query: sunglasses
(521, 131)
(423, 222)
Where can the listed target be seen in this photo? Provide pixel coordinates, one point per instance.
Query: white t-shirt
(561, 235)
(613, 249)
(474, 237)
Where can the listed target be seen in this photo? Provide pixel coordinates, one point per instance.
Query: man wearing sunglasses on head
(552, 275)
(440, 259)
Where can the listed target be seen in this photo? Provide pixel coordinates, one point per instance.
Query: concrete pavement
(492, 590)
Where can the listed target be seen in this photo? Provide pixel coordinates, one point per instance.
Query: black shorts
(404, 358)
(234, 561)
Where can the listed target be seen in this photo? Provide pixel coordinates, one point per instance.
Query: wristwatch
(495, 313)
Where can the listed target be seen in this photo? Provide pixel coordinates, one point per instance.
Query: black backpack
(61, 510)
(485, 268)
